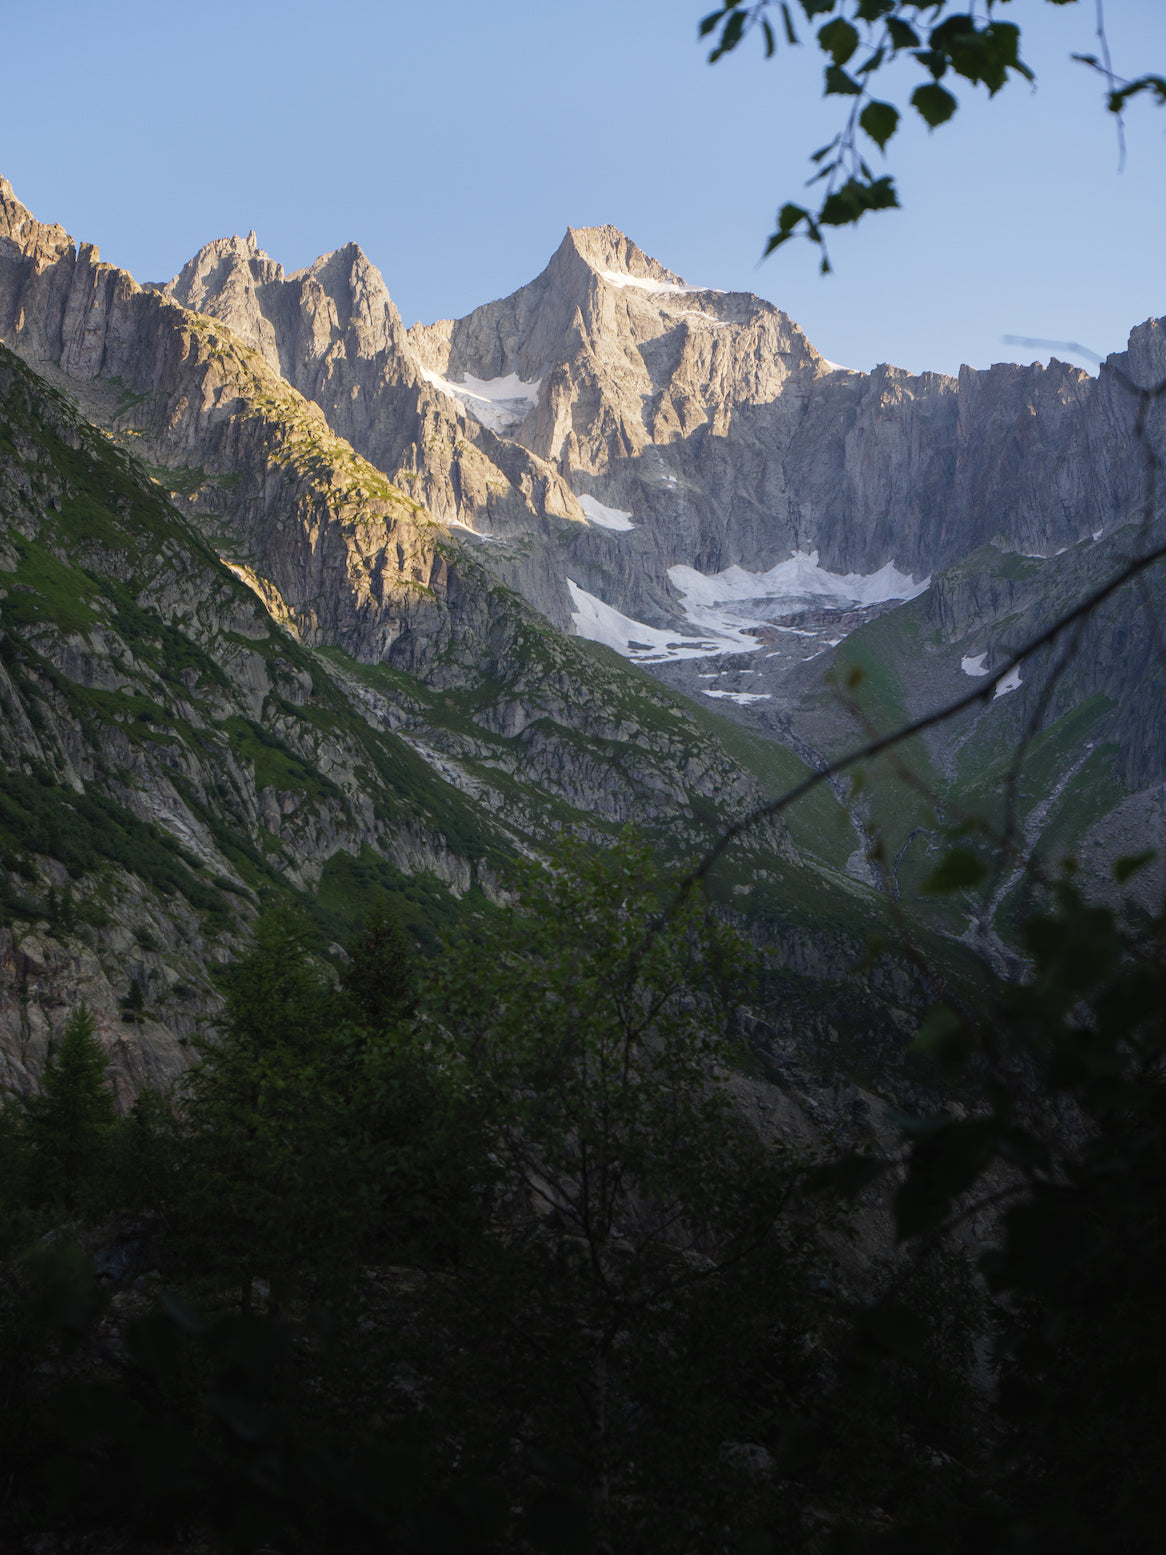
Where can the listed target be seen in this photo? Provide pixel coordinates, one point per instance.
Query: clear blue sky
(457, 141)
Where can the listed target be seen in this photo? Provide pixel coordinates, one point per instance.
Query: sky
(457, 142)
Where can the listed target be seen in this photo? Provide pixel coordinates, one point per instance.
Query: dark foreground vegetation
(477, 1254)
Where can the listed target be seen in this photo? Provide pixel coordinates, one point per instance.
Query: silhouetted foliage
(70, 1124)
(379, 979)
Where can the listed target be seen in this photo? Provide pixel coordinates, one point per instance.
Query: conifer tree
(379, 982)
(254, 1107)
(71, 1123)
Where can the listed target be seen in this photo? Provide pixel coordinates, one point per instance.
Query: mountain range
(295, 597)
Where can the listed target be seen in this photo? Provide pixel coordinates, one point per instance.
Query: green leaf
(791, 36)
(770, 41)
(839, 84)
(709, 22)
(1155, 85)
(880, 121)
(902, 36)
(934, 60)
(943, 1165)
(839, 39)
(934, 103)
(944, 1036)
(960, 870)
(789, 219)
(814, 8)
(1130, 863)
(854, 199)
(731, 36)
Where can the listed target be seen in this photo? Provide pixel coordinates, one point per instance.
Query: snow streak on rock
(502, 404)
(1011, 682)
(607, 518)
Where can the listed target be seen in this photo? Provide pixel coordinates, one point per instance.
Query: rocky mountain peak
(609, 252)
(222, 280)
(19, 227)
(566, 309)
(293, 319)
(357, 291)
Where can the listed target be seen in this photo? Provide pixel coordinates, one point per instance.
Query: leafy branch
(860, 39)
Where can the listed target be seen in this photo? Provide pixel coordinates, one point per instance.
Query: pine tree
(379, 982)
(70, 1124)
(263, 1193)
(133, 1004)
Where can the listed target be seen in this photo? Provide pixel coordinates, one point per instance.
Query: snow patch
(732, 601)
(601, 623)
(697, 313)
(498, 403)
(837, 367)
(456, 523)
(974, 665)
(607, 518)
(739, 696)
(642, 283)
(1011, 682)
(725, 606)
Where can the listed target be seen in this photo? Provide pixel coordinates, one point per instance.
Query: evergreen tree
(253, 1197)
(147, 1154)
(70, 1124)
(379, 980)
(133, 1004)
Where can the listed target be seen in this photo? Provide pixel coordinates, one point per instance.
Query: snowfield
(601, 623)
(726, 605)
(502, 404)
(730, 602)
(607, 518)
(739, 696)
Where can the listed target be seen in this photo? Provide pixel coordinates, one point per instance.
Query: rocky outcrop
(333, 332)
(167, 756)
(352, 555)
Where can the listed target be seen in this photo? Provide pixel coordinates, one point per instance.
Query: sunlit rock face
(628, 423)
(664, 468)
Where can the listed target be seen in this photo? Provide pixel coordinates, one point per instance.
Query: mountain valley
(297, 598)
